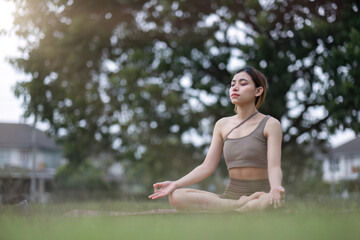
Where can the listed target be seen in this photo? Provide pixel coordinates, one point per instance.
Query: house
(343, 162)
(28, 161)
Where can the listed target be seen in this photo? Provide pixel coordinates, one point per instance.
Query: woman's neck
(244, 112)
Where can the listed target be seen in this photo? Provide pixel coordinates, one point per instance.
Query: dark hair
(259, 80)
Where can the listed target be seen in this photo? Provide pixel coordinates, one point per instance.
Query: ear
(259, 91)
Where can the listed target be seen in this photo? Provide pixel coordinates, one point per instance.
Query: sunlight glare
(6, 14)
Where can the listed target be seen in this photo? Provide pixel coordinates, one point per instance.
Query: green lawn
(301, 220)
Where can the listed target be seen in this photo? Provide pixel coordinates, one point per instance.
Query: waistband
(242, 182)
(238, 187)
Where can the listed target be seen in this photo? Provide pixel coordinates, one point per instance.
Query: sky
(10, 107)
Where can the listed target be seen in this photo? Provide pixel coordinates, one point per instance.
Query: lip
(234, 95)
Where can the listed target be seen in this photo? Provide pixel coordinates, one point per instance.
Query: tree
(134, 78)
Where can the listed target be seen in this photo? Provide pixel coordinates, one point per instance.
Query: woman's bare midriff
(248, 173)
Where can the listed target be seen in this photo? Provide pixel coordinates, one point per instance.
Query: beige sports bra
(247, 151)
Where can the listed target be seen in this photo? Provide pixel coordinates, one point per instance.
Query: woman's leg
(197, 200)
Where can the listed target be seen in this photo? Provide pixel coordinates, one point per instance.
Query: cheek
(250, 90)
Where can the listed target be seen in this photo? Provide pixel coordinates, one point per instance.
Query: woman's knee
(175, 197)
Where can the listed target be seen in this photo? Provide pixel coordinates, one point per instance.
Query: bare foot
(246, 199)
(258, 204)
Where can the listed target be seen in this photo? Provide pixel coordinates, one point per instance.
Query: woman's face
(243, 89)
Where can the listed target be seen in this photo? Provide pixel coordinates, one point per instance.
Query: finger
(154, 196)
(274, 203)
(158, 194)
(156, 186)
(277, 203)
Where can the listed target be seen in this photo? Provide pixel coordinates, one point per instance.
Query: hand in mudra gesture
(163, 189)
(277, 196)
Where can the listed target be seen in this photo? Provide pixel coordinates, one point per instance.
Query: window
(52, 159)
(334, 165)
(4, 157)
(25, 156)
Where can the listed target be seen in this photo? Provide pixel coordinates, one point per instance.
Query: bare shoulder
(273, 126)
(223, 121)
(273, 122)
(222, 125)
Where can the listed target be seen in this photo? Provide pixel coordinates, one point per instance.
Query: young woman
(251, 144)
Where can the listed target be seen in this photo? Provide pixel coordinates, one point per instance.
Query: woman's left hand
(163, 189)
(277, 196)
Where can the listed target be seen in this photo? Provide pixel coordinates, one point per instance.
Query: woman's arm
(274, 137)
(197, 174)
(210, 163)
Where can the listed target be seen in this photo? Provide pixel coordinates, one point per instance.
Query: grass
(298, 220)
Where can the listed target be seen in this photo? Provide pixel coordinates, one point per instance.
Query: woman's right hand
(163, 189)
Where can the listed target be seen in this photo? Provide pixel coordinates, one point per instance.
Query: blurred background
(100, 99)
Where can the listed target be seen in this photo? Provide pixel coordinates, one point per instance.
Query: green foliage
(132, 78)
(85, 178)
(350, 186)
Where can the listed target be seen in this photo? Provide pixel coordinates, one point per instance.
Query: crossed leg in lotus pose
(187, 199)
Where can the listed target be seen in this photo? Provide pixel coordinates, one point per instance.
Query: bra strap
(241, 124)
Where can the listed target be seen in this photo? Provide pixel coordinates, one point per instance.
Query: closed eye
(243, 81)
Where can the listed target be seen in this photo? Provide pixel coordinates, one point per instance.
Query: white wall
(343, 171)
(23, 159)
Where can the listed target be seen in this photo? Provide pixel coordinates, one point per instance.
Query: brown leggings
(237, 188)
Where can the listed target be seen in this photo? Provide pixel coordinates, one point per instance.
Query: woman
(251, 144)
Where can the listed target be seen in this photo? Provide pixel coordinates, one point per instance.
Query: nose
(235, 87)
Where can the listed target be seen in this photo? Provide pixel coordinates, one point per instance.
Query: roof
(350, 148)
(17, 135)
